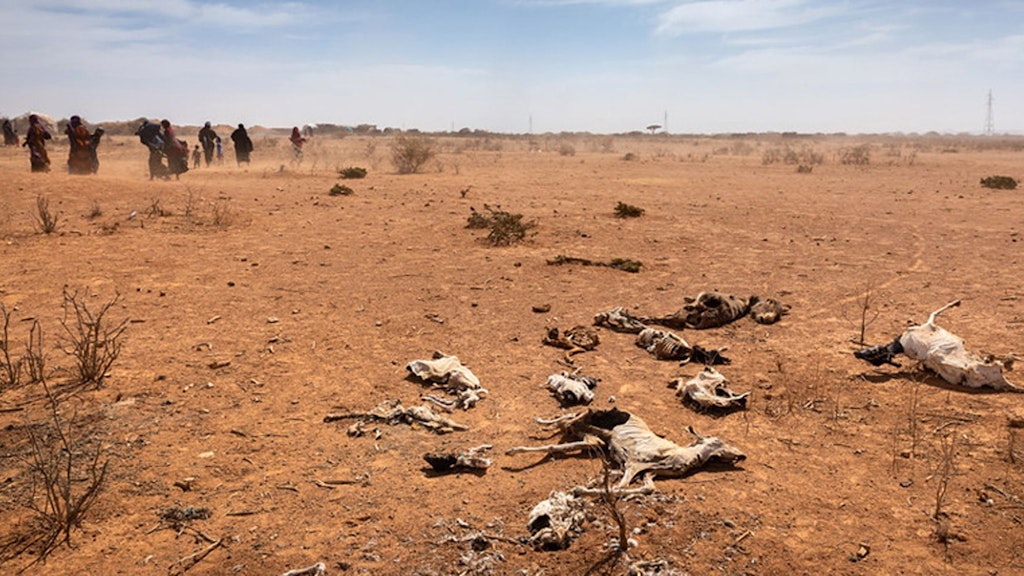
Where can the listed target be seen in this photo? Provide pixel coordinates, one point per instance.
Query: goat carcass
(392, 412)
(942, 353)
(447, 372)
(576, 339)
(707, 310)
(708, 390)
(632, 446)
(665, 345)
(572, 389)
(620, 320)
(553, 523)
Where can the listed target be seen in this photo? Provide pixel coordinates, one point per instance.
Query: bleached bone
(620, 320)
(943, 353)
(633, 447)
(767, 311)
(555, 522)
(646, 489)
(318, 569)
(392, 412)
(572, 389)
(709, 390)
(472, 459)
(446, 372)
(665, 345)
(707, 310)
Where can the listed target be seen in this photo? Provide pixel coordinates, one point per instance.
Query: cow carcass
(709, 391)
(446, 372)
(571, 388)
(707, 310)
(942, 353)
(555, 522)
(665, 345)
(392, 412)
(631, 446)
(620, 320)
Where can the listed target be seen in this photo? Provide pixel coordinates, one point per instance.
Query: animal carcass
(942, 353)
(767, 311)
(665, 345)
(620, 320)
(632, 446)
(709, 390)
(472, 459)
(572, 389)
(555, 522)
(707, 310)
(576, 339)
(448, 373)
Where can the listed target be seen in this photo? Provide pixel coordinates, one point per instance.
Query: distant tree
(654, 128)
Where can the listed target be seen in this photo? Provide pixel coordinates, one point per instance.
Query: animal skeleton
(942, 353)
(632, 446)
(553, 523)
(665, 345)
(707, 310)
(393, 413)
(620, 320)
(708, 390)
(767, 311)
(472, 459)
(576, 339)
(572, 388)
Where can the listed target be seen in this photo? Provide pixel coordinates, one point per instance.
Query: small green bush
(352, 173)
(804, 169)
(476, 220)
(506, 228)
(999, 182)
(623, 210)
(626, 265)
(340, 190)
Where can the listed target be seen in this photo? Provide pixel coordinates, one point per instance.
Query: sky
(518, 66)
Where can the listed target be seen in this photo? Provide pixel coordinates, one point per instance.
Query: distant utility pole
(989, 123)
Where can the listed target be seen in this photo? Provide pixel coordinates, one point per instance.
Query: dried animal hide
(620, 320)
(707, 310)
(472, 459)
(576, 339)
(665, 345)
(632, 446)
(942, 353)
(555, 522)
(572, 389)
(767, 311)
(448, 373)
(709, 390)
(392, 412)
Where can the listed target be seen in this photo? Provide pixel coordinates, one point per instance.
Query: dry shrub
(623, 210)
(856, 156)
(410, 153)
(93, 340)
(10, 368)
(566, 149)
(630, 157)
(352, 173)
(999, 182)
(340, 190)
(46, 220)
(506, 228)
(95, 211)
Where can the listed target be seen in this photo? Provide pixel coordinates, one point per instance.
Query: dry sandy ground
(314, 304)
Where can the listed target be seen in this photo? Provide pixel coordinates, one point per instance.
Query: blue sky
(505, 65)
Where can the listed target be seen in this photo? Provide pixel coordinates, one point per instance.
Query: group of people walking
(159, 138)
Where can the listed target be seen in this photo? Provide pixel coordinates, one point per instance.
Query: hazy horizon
(524, 66)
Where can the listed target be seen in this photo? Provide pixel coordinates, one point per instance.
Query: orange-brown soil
(313, 304)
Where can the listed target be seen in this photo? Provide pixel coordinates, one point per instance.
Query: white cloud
(739, 15)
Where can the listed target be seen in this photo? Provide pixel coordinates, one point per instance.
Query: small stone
(541, 308)
(272, 320)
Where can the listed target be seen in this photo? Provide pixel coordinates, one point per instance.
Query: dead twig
(188, 562)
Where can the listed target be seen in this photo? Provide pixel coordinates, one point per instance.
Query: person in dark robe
(10, 136)
(82, 157)
(149, 135)
(175, 150)
(208, 139)
(35, 140)
(297, 141)
(243, 145)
